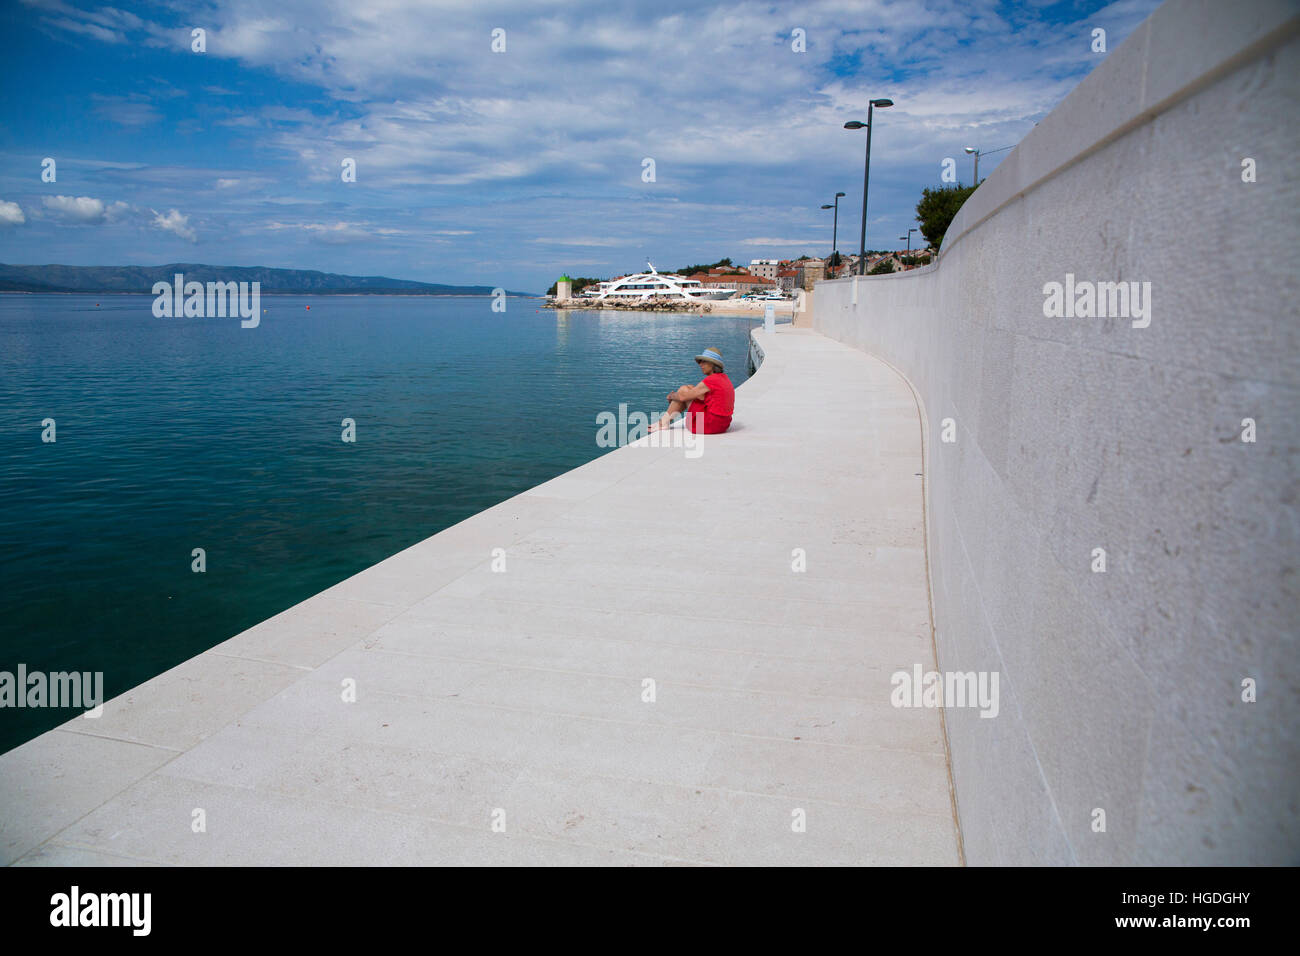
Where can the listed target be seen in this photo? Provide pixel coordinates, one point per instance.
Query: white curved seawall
(1121, 691)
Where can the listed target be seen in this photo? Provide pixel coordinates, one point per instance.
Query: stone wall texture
(1121, 691)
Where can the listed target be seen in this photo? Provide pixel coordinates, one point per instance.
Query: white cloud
(126, 111)
(584, 241)
(332, 233)
(87, 29)
(254, 38)
(175, 223)
(84, 209)
(11, 214)
(104, 23)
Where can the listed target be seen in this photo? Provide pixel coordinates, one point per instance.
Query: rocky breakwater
(655, 303)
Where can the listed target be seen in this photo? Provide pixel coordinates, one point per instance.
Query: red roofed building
(742, 283)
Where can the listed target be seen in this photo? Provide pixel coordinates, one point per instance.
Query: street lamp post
(908, 238)
(866, 178)
(978, 153)
(971, 150)
(835, 227)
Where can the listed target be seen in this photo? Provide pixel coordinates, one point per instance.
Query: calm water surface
(175, 434)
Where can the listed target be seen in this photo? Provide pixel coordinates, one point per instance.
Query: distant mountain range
(140, 279)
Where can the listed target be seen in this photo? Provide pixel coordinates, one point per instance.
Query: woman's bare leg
(675, 408)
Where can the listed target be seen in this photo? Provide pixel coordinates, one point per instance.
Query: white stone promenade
(518, 697)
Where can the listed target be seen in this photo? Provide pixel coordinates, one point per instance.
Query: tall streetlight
(835, 228)
(866, 178)
(978, 153)
(908, 238)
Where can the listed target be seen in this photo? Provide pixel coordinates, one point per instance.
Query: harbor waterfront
(756, 308)
(553, 681)
(347, 521)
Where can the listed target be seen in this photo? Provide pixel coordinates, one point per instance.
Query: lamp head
(854, 124)
(827, 206)
(838, 195)
(881, 104)
(971, 149)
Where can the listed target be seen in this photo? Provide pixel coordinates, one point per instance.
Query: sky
(505, 143)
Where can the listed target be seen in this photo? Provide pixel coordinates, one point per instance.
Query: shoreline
(786, 309)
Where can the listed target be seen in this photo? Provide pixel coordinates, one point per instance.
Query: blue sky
(506, 168)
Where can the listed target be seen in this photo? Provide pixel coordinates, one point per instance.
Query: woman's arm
(689, 393)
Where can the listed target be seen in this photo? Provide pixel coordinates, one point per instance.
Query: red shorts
(701, 421)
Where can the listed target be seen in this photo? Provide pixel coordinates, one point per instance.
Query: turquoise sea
(176, 434)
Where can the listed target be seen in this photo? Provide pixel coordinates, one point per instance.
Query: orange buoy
(308, 308)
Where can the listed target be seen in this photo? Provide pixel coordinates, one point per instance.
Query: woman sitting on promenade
(709, 405)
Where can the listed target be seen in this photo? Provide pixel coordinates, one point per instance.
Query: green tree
(882, 268)
(578, 285)
(937, 209)
(688, 270)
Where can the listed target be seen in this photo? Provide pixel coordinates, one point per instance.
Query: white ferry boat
(654, 284)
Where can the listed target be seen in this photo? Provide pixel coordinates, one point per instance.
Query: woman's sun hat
(711, 355)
